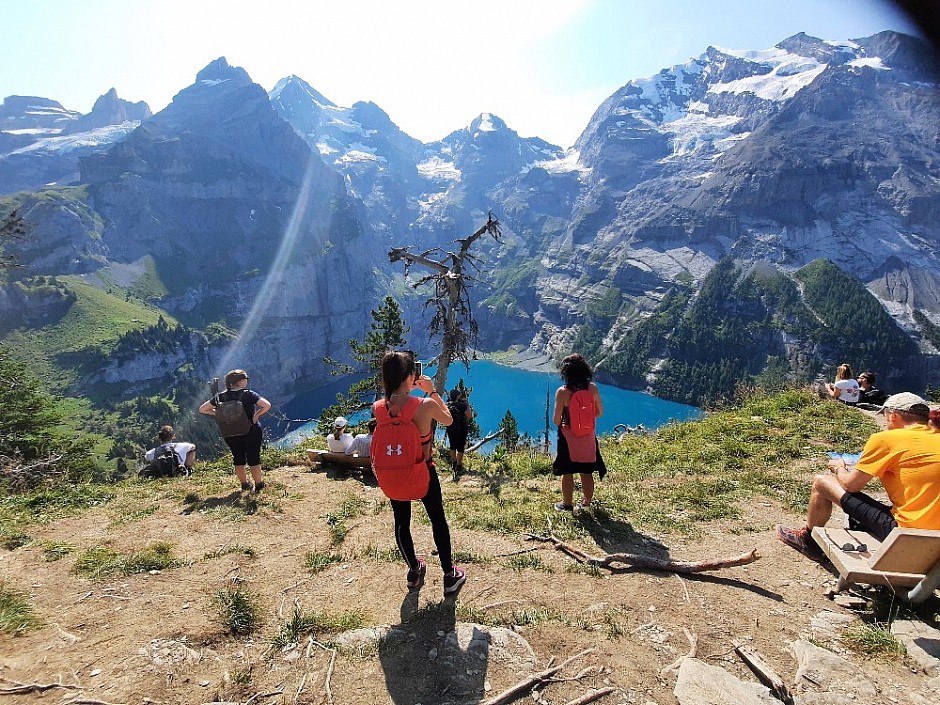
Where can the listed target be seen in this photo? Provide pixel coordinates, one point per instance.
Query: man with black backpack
(170, 458)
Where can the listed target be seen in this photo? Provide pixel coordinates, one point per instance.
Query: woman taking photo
(578, 450)
(246, 448)
(400, 377)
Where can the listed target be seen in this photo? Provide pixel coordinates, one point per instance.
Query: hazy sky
(543, 66)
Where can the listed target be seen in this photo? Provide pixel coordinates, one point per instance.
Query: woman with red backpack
(401, 454)
(577, 405)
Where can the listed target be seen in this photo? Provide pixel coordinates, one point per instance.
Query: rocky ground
(151, 638)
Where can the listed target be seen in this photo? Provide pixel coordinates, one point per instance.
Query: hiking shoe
(562, 507)
(802, 541)
(452, 583)
(259, 486)
(246, 487)
(416, 577)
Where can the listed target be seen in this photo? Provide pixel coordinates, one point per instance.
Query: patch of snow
(93, 138)
(437, 169)
(694, 132)
(873, 62)
(847, 43)
(486, 123)
(784, 82)
(568, 163)
(35, 131)
(213, 81)
(357, 155)
(325, 149)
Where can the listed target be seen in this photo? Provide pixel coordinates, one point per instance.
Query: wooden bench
(319, 457)
(908, 561)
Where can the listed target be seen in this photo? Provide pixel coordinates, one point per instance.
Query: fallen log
(486, 439)
(641, 561)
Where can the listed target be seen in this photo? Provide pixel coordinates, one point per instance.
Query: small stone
(204, 684)
(95, 672)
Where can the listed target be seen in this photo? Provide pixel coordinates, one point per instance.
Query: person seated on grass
(845, 388)
(186, 452)
(905, 457)
(362, 443)
(868, 393)
(340, 438)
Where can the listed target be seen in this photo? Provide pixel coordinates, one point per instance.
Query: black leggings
(434, 506)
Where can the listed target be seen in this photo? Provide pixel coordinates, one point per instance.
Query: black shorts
(246, 450)
(868, 514)
(457, 439)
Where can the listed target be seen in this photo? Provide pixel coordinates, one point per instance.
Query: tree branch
(635, 559)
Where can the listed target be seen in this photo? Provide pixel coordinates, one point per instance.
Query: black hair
(576, 372)
(396, 366)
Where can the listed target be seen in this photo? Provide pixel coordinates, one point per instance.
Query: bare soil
(151, 638)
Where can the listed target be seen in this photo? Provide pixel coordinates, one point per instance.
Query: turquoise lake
(498, 388)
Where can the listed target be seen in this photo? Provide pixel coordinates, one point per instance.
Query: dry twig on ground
(641, 561)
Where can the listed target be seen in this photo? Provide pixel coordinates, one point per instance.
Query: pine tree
(386, 332)
(510, 437)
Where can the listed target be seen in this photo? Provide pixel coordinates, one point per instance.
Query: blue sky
(543, 66)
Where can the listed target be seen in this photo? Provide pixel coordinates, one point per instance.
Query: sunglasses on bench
(854, 547)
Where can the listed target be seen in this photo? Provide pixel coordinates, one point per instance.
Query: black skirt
(564, 465)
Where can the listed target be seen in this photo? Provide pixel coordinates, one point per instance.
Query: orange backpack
(396, 452)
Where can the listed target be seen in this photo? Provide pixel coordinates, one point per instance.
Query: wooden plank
(855, 567)
(909, 551)
(325, 456)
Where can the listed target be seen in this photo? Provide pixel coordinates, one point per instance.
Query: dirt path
(150, 638)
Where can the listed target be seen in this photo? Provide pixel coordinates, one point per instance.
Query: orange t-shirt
(907, 461)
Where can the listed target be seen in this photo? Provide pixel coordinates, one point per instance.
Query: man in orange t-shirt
(906, 458)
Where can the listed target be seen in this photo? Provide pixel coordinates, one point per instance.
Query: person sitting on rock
(905, 457)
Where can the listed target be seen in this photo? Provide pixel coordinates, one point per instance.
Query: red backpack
(581, 413)
(396, 452)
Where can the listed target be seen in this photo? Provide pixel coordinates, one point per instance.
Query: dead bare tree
(453, 315)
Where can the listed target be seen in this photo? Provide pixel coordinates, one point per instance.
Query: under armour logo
(389, 450)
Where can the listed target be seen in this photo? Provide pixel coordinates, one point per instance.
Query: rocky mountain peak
(109, 109)
(22, 112)
(220, 70)
(293, 88)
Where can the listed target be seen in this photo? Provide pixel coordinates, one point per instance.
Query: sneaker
(416, 577)
(802, 541)
(562, 507)
(452, 583)
(259, 486)
(246, 487)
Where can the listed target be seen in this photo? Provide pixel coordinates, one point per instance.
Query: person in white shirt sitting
(340, 439)
(185, 451)
(845, 388)
(362, 443)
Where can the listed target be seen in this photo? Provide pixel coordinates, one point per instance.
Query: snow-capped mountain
(41, 142)
(772, 158)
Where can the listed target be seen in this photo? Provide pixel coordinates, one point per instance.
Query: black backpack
(165, 463)
(457, 410)
(231, 418)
